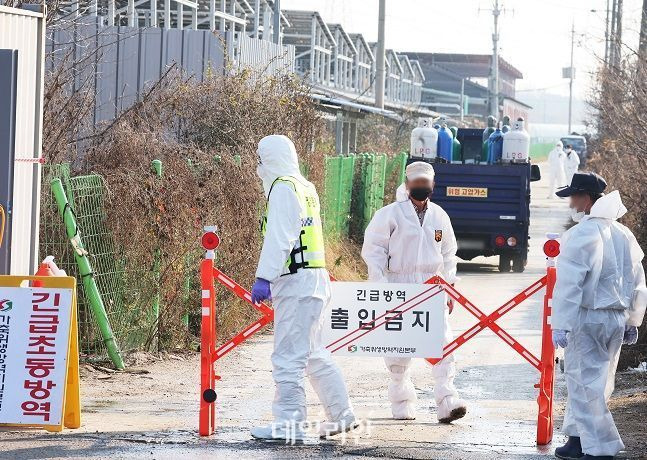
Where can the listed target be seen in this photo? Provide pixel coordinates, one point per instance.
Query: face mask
(420, 193)
(577, 215)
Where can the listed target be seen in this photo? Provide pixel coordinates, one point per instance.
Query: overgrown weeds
(620, 154)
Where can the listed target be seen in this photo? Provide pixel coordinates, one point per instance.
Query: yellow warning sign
(39, 352)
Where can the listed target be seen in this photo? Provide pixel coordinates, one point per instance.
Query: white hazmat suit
(600, 287)
(298, 299)
(557, 165)
(571, 164)
(398, 249)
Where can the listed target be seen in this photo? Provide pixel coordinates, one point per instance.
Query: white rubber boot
(451, 408)
(279, 432)
(346, 423)
(402, 395)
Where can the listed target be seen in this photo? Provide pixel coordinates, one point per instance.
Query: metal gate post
(547, 368)
(208, 378)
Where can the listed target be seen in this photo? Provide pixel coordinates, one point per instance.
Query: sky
(535, 35)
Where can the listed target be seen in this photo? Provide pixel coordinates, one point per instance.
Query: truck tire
(504, 263)
(519, 264)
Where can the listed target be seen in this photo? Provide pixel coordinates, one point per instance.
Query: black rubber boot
(572, 450)
(597, 457)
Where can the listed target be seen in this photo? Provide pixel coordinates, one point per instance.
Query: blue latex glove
(631, 335)
(261, 291)
(560, 338)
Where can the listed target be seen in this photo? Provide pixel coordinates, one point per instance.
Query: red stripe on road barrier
(545, 365)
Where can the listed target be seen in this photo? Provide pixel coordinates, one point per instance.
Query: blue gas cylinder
(445, 143)
(495, 146)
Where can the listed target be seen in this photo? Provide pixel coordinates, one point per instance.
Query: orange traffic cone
(47, 268)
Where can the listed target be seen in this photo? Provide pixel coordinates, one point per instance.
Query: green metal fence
(338, 193)
(369, 194)
(354, 190)
(125, 294)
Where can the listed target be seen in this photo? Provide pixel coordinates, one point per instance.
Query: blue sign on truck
(489, 204)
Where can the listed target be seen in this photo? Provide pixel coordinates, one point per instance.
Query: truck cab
(488, 204)
(579, 145)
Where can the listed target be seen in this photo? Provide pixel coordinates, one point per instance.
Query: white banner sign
(34, 338)
(377, 319)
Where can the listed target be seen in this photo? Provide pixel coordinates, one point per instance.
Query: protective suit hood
(278, 157)
(608, 207)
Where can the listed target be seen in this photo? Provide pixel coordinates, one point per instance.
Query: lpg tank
(516, 143)
(495, 146)
(456, 148)
(506, 124)
(445, 143)
(424, 140)
(491, 124)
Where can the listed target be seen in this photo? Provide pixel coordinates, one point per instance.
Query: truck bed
(493, 201)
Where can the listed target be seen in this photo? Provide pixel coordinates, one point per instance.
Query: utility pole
(380, 59)
(642, 47)
(606, 37)
(277, 22)
(494, 64)
(615, 36)
(618, 53)
(571, 75)
(463, 97)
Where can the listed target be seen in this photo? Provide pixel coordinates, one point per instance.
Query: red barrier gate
(210, 354)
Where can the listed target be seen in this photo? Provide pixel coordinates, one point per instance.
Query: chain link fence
(126, 293)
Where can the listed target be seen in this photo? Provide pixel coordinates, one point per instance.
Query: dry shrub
(378, 134)
(205, 134)
(620, 154)
(344, 260)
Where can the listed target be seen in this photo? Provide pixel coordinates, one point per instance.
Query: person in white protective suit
(557, 166)
(410, 241)
(291, 272)
(571, 163)
(598, 303)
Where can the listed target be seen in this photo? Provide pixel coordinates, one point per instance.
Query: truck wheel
(519, 264)
(504, 263)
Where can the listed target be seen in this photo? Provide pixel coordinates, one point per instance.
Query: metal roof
(301, 24)
(337, 27)
(470, 65)
(360, 38)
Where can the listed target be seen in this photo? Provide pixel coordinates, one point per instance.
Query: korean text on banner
(394, 320)
(35, 328)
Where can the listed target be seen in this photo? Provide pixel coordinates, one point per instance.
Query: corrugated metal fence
(264, 57)
(22, 33)
(122, 63)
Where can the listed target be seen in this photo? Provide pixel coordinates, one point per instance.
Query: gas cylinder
(491, 124)
(506, 124)
(516, 143)
(495, 146)
(445, 143)
(456, 148)
(424, 140)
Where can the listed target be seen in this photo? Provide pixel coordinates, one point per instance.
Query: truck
(579, 145)
(488, 204)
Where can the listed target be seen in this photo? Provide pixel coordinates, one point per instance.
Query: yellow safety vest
(309, 252)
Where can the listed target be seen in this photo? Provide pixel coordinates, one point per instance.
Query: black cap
(584, 182)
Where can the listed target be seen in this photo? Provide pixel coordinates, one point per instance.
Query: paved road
(155, 416)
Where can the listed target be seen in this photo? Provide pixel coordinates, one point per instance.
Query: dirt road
(154, 415)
